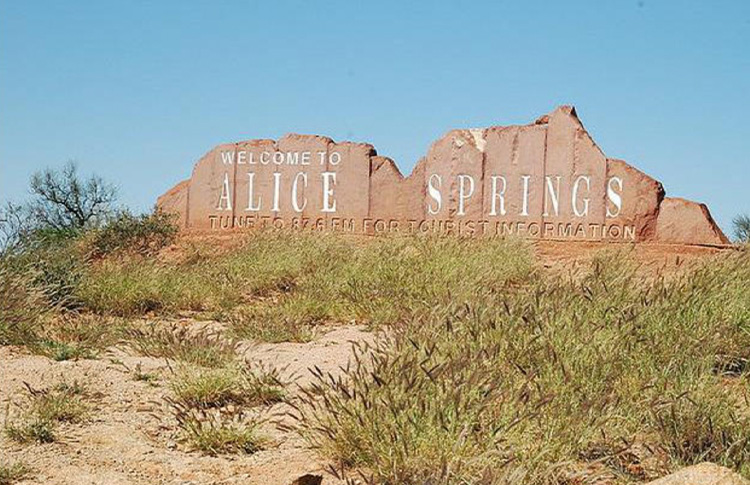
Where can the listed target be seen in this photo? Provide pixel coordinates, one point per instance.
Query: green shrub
(143, 234)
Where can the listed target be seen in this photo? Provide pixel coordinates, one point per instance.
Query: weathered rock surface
(545, 180)
(645, 196)
(175, 201)
(683, 221)
(702, 474)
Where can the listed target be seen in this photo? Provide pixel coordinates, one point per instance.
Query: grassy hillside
(487, 369)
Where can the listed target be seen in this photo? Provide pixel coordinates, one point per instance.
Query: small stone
(308, 479)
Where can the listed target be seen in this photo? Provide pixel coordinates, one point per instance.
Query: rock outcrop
(682, 221)
(546, 180)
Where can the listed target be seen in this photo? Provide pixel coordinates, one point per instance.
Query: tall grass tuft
(385, 281)
(41, 410)
(203, 348)
(23, 307)
(216, 409)
(218, 430)
(560, 378)
(12, 473)
(236, 384)
(71, 335)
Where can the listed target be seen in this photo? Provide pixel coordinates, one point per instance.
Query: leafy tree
(741, 225)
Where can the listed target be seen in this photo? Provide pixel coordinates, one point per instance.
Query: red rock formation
(644, 194)
(687, 222)
(174, 201)
(547, 180)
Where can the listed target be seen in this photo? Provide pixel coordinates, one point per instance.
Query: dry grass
(487, 371)
(175, 342)
(266, 323)
(280, 287)
(72, 336)
(11, 473)
(385, 281)
(218, 430)
(598, 374)
(23, 307)
(205, 280)
(215, 398)
(40, 411)
(217, 410)
(236, 384)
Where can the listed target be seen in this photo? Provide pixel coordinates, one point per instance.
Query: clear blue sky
(137, 91)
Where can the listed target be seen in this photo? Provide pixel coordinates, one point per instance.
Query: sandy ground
(129, 437)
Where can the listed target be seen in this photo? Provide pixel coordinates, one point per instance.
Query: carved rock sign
(545, 180)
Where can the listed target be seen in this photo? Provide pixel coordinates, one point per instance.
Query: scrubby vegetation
(201, 348)
(77, 336)
(234, 384)
(600, 374)
(204, 279)
(277, 286)
(217, 409)
(487, 368)
(39, 412)
(23, 306)
(48, 248)
(143, 234)
(12, 473)
(218, 430)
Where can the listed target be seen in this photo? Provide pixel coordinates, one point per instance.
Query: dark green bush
(143, 234)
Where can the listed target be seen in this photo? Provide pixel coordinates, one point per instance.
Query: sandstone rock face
(644, 195)
(545, 180)
(683, 221)
(702, 474)
(175, 201)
